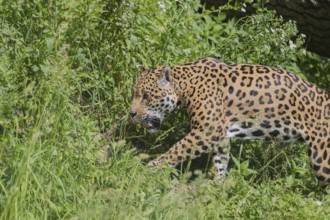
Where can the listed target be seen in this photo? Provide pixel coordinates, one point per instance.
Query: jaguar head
(154, 97)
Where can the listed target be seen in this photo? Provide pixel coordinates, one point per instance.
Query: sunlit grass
(68, 149)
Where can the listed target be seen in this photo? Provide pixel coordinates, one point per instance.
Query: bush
(67, 69)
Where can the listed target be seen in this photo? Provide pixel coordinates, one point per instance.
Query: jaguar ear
(165, 78)
(142, 68)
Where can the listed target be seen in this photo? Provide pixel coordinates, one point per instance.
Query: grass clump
(67, 148)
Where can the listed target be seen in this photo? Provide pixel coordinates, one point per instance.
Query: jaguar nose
(132, 114)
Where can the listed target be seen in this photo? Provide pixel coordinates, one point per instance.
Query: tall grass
(67, 148)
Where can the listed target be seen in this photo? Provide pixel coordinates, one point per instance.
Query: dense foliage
(67, 147)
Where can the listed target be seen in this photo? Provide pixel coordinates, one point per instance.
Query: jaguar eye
(145, 96)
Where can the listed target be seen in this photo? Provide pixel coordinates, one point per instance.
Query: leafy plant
(67, 147)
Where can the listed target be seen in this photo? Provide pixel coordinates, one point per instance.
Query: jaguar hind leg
(319, 157)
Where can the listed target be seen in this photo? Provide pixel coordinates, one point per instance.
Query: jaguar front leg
(220, 159)
(191, 146)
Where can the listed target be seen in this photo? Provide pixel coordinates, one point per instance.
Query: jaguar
(225, 101)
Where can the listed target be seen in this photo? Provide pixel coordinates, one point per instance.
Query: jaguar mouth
(152, 124)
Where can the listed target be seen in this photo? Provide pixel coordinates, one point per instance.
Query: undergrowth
(68, 149)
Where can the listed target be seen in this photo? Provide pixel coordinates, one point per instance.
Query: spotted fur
(235, 101)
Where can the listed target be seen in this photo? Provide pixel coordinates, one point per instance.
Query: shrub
(67, 69)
